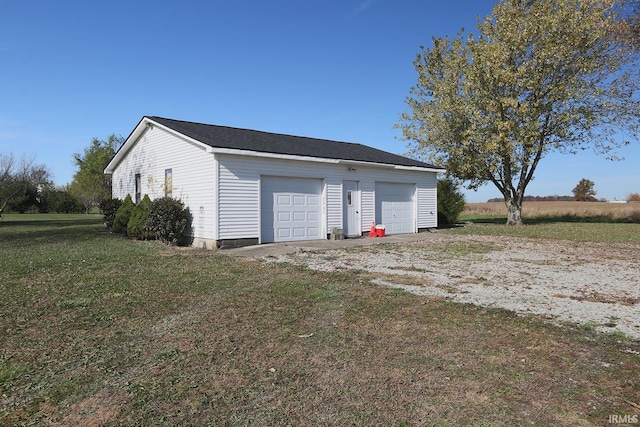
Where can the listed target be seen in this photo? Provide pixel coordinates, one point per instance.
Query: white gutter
(390, 166)
(233, 151)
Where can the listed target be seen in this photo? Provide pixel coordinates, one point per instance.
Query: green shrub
(122, 215)
(450, 202)
(109, 207)
(137, 226)
(168, 219)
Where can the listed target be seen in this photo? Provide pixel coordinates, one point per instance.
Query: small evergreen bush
(167, 219)
(122, 215)
(450, 202)
(137, 226)
(109, 207)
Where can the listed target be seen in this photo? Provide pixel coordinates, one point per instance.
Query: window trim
(138, 189)
(168, 182)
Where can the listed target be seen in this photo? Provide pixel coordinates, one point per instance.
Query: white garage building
(247, 187)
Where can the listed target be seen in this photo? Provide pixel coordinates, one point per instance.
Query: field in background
(566, 211)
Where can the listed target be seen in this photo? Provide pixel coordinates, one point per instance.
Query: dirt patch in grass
(585, 283)
(604, 298)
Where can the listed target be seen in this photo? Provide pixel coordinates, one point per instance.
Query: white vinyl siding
(368, 212)
(193, 175)
(239, 195)
(334, 200)
(238, 206)
(427, 202)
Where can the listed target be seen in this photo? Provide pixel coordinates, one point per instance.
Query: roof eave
(232, 151)
(236, 152)
(393, 166)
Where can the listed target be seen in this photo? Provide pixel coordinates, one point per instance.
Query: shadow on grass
(37, 230)
(592, 219)
(450, 226)
(45, 223)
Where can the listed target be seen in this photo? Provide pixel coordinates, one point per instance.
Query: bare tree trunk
(514, 211)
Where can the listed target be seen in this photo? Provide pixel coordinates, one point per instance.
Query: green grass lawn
(99, 330)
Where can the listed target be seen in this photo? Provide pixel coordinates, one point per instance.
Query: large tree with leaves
(584, 191)
(539, 76)
(89, 184)
(629, 25)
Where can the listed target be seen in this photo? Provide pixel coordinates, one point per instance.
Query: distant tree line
(583, 192)
(27, 187)
(554, 198)
(633, 197)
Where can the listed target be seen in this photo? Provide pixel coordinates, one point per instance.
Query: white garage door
(395, 207)
(290, 209)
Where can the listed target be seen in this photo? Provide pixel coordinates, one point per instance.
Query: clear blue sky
(72, 70)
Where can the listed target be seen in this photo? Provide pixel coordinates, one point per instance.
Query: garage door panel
(290, 209)
(299, 232)
(283, 200)
(284, 233)
(284, 216)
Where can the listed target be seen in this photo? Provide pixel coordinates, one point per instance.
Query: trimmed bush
(137, 226)
(109, 207)
(168, 219)
(122, 215)
(450, 202)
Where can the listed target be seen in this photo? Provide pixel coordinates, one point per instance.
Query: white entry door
(290, 209)
(395, 207)
(350, 209)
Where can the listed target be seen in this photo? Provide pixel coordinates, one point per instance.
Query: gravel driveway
(586, 283)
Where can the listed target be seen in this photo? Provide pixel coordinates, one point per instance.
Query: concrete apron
(275, 249)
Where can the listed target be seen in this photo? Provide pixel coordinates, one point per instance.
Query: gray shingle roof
(266, 142)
